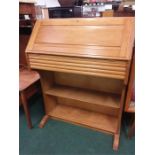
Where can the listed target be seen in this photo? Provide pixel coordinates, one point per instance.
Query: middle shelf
(88, 96)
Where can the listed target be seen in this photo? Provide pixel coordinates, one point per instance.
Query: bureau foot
(43, 121)
(116, 142)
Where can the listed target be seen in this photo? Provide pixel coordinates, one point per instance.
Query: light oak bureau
(84, 65)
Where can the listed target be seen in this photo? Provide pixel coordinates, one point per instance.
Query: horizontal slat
(82, 55)
(79, 60)
(79, 68)
(86, 72)
(76, 65)
(68, 64)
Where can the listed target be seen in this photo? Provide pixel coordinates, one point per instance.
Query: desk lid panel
(105, 38)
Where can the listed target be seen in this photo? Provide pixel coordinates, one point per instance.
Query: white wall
(48, 3)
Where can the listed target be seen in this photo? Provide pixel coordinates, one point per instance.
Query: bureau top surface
(107, 38)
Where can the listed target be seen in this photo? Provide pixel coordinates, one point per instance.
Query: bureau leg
(116, 142)
(43, 121)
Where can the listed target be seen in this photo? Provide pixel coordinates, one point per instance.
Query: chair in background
(29, 84)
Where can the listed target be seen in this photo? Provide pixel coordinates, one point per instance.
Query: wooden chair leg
(26, 109)
(131, 129)
(116, 142)
(43, 121)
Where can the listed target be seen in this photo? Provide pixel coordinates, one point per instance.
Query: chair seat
(27, 78)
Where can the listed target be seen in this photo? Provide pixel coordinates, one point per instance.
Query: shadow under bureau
(84, 65)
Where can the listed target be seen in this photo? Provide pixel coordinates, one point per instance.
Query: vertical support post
(117, 134)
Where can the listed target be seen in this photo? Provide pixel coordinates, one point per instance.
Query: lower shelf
(94, 120)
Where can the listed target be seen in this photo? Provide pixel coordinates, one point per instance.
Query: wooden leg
(131, 130)
(43, 121)
(116, 142)
(26, 109)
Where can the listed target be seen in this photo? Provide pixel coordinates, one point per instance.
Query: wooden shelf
(86, 118)
(89, 96)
